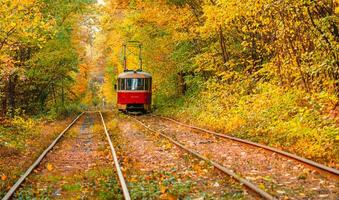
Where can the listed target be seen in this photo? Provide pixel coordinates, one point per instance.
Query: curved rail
(116, 163)
(272, 149)
(37, 162)
(248, 184)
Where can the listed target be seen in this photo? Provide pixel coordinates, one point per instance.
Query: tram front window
(135, 84)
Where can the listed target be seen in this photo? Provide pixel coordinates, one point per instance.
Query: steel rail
(272, 149)
(37, 162)
(229, 172)
(116, 163)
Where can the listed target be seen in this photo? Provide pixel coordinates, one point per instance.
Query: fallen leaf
(133, 180)
(163, 189)
(49, 167)
(3, 177)
(172, 197)
(168, 197)
(262, 186)
(196, 168)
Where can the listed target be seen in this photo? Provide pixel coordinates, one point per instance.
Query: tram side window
(122, 84)
(146, 83)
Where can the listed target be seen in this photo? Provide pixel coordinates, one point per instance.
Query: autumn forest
(265, 71)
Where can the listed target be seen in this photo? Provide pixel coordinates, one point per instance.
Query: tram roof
(134, 74)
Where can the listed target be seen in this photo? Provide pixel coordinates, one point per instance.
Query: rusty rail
(116, 163)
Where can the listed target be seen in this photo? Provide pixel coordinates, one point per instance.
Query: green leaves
(38, 52)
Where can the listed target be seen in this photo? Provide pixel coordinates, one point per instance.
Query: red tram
(134, 87)
(134, 91)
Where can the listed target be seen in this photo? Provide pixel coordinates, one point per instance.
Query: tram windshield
(134, 83)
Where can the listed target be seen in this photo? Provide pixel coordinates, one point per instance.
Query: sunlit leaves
(22, 21)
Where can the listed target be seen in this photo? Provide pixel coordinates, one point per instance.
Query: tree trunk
(4, 102)
(54, 98)
(182, 84)
(11, 93)
(223, 45)
(62, 95)
(302, 75)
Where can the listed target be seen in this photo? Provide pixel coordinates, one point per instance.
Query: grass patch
(159, 184)
(71, 187)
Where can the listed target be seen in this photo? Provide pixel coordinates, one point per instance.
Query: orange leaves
(200, 168)
(196, 167)
(3, 177)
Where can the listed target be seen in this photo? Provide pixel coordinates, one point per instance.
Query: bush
(61, 111)
(14, 132)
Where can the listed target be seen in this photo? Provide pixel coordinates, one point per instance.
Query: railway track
(229, 172)
(308, 162)
(151, 159)
(116, 163)
(38, 161)
(219, 164)
(176, 139)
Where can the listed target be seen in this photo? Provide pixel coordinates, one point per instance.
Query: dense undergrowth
(286, 118)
